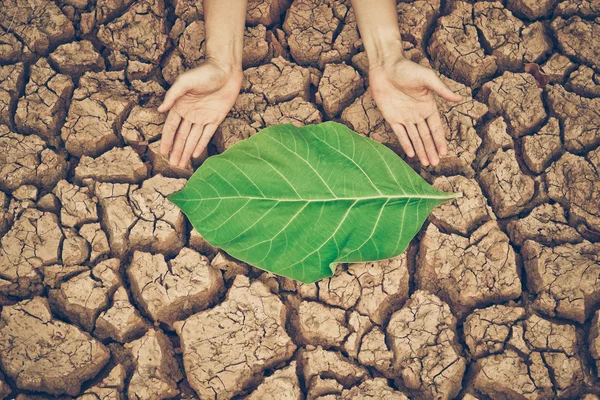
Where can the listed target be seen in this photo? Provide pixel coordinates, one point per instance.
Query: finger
(413, 134)
(178, 89)
(209, 131)
(180, 139)
(168, 132)
(190, 144)
(400, 132)
(428, 143)
(437, 131)
(438, 86)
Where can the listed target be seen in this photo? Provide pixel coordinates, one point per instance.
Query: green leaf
(297, 201)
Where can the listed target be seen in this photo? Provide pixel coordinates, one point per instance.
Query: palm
(403, 93)
(211, 101)
(416, 102)
(197, 102)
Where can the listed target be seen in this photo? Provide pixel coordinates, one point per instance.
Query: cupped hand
(197, 103)
(403, 91)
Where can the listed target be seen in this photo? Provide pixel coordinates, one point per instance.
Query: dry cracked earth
(107, 292)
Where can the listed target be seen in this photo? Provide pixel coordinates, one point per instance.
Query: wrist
(229, 63)
(383, 50)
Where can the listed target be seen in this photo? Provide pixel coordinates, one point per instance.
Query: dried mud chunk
(310, 25)
(576, 39)
(572, 181)
(518, 99)
(140, 33)
(54, 357)
(374, 352)
(191, 45)
(33, 241)
(565, 278)
(109, 388)
(12, 80)
(227, 347)
(579, 118)
(77, 205)
(426, 351)
(255, 46)
(465, 214)
(585, 82)
(83, 297)
(97, 239)
(98, 108)
(594, 340)
(189, 10)
(12, 49)
(532, 9)
(43, 107)
(584, 8)
(508, 39)
(315, 362)
(359, 325)
(280, 80)
(231, 131)
(76, 58)
(376, 388)
(488, 330)
(384, 286)
(230, 266)
(298, 112)
(119, 165)
(117, 215)
(508, 189)
(540, 148)
(364, 118)
(266, 12)
(317, 324)
(458, 121)
(121, 322)
(160, 225)
(172, 291)
(338, 88)
(341, 290)
(282, 385)
(156, 371)
(507, 375)
(75, 249)
(198, 243)
(545, 224)
(54, 275)
(40, 24)
(415, 19)
(346, 43)
(468, 273)
(558, 67)
(455, 48)
(160, 164)
(143, 125)
(6, 217)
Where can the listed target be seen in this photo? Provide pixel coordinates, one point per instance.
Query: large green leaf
(297, 201)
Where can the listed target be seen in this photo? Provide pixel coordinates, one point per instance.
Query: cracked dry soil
(107, 293)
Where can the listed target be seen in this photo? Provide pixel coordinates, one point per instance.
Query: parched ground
(107, 292)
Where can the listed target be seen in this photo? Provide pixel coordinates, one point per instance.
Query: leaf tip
(458, 195)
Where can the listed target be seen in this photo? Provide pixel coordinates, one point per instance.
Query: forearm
(378, 25)
(224, 23)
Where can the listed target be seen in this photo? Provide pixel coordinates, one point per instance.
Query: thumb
(440, 88)
(178, 89)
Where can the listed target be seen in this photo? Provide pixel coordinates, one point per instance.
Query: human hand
(197, 103)
(403, 91)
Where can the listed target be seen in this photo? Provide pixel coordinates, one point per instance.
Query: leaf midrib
(300, 200)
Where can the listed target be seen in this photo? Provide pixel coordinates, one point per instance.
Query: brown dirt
(107, 292)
